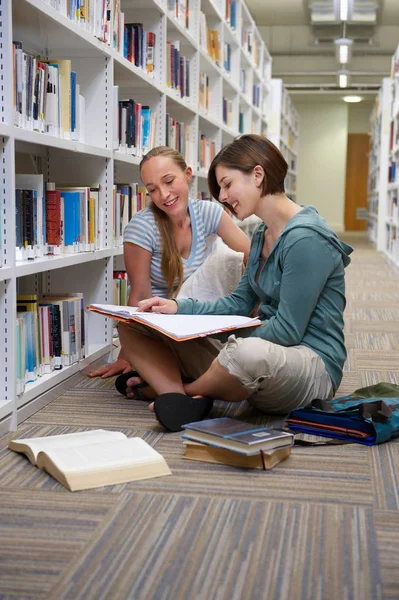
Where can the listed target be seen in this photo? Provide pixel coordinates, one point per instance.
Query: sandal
(121, 385)
(175, 410)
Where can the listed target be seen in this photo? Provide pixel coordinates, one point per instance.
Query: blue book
(146, 124)
(71, 217)
(233, 19)
(73, 102)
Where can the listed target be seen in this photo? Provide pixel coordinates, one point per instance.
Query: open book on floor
(260, 460)
(92, 459)
(237, 436)
(177, 327)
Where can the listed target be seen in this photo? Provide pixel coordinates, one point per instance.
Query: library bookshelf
(236, 71)
(284, 130)
(390, 218)
(378, 186)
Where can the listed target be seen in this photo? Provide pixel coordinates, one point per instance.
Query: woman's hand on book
(158, 305)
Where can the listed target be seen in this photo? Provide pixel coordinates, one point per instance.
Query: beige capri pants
(277, 378)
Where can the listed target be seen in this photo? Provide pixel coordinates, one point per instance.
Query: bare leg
(217, 382)
(153, 360)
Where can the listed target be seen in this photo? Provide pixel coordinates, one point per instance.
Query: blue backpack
(368, 416)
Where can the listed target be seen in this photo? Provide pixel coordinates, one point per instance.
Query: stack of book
(236, 443)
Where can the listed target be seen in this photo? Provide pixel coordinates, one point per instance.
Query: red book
(53, 217)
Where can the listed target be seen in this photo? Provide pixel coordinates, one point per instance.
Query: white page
(103, 455)
(70, 440)
(181, 325)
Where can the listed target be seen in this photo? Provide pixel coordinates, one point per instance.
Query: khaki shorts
(277, 378)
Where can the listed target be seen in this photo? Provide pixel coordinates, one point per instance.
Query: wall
(323, 134)
(359, 117)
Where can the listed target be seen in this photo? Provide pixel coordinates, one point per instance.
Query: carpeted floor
(323, 524)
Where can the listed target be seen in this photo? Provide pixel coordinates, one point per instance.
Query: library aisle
(160, 538)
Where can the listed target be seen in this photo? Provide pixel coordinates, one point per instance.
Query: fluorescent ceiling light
(343, 10)
(343, 47)
(352, 98)
(343, 78)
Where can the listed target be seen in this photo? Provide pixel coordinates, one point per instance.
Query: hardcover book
(238, 436)
(177, 327)
(260, 460)
(92, 459)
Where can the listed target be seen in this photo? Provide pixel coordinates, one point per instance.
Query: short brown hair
(244, 153)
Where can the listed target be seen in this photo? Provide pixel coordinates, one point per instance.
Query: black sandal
(121, 385)
(175, 410)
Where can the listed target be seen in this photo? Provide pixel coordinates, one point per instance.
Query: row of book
(203, 91)
(135, 126)
(392, 171)
(228, 112)
(177, 70)
(180, 9)
(177, 136)
(392, 209)
(101, 18)
(51, 334)
(120, 290)
(47, 96)
(139, 47)
(209, 40)
(231, 13)
(206, 152)
(394, 134)
(56, 220)
(127, 199)
(250, 44)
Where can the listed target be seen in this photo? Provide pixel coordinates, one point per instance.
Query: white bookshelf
(46, 32)
(378, 197)
(391, 215)
(283, 130)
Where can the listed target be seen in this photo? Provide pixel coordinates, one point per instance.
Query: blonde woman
(165, 243)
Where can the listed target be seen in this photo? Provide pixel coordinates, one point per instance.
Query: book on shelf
(238, 436)
(260, 460)
(177, 327)
(90, 459)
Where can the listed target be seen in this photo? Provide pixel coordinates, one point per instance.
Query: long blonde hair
(171, 262)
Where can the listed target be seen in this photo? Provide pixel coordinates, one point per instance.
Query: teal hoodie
(300, 290)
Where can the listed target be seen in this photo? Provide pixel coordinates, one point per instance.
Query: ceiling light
(343, 78)
(352, 98)
(343, 10)
(343, 48)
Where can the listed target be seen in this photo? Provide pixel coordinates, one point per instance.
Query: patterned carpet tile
(220, 548)
(362, 360)
(369, 342)
(41, 535)
(322, 474)
(384, 471)
(386, 525)
(326, 474)
(374, 327)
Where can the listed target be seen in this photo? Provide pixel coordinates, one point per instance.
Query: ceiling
(300, 34)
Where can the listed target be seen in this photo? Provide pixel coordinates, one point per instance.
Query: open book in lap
(92, 459)
(177, 327)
